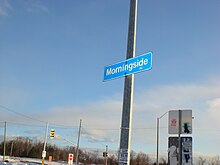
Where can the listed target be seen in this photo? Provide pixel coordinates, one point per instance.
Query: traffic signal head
(52, 133)
(105, 154)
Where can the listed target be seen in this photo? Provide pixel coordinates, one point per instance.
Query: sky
(52, 59)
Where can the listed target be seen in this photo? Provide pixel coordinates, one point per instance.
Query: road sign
(173, 151)
(70, 159)
(186, 122)
(186, 150)
(44, 153)
(129, 66)
(123, 155)
(173, 125)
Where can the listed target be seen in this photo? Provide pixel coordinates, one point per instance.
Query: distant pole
(158, 123)
(128, 88)
(158, 131)
(12, 145)
(179, 141)
(77, 148)
(45, 143)
(106, 158)
(4, 142)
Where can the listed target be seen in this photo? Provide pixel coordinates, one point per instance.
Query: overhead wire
(28, 117)
(69, 127)
(20, 114)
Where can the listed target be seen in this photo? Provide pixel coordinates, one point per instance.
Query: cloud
(32, 132)
(101, 119)
(5, 8)
(214, 109)
(94, 138)
(36, 8)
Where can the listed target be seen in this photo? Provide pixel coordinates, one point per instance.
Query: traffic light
(105, 154)
(52, 133)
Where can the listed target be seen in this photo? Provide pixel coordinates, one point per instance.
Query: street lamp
(158, 123)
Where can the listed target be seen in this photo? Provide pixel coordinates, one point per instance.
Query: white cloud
(5, 8)
(36, 8)
(32, 132)
(101, 119)
(214, 109)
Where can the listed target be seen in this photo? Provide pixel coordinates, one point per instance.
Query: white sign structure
(44, 153)
(186, 150)
(173, 122)
(186, 121)
(70, 159)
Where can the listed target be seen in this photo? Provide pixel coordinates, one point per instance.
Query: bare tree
(215, 160)
(201, 161)
(142, 159)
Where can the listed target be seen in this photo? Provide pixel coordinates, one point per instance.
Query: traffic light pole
(77, 148)
(158, 131)
(45, 143)
(106, 158)
(4, 142)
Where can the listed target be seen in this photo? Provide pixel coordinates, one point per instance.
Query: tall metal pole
(158, 122)
(77, 148)
(12, 145)
(158, 130)
(128, 88)
(45, 143)
(179, 139)
(106, 158)
(4, 142)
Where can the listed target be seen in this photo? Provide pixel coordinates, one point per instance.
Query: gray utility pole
(106, 158)
(4, 142)
(77, 148)
(179, 137)
(45, 143)
(158, 131)
(128, 89)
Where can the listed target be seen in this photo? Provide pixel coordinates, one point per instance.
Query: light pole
(45, 143)
(158, 124)
(77, 147)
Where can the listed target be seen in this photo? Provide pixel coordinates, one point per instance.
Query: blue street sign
(129, 66)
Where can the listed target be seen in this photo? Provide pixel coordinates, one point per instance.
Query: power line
(20, 114)
(26, 116)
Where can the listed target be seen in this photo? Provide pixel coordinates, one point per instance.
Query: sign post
(126, 121)
(127, 68)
